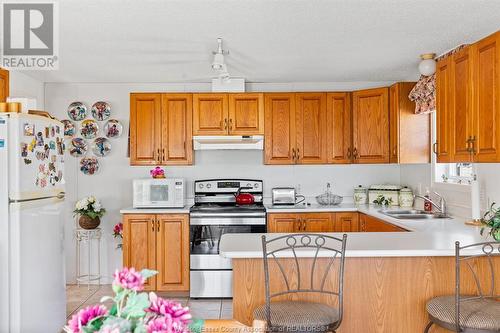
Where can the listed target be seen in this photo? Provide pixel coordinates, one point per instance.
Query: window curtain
(424, 92)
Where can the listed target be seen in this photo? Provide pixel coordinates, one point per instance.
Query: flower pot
(87, 222)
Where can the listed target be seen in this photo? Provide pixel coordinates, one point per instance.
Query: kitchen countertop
(433, 237)
(131, 210)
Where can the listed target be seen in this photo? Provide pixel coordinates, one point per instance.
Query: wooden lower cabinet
(4, 84)
(159, 242)
(327, 222)
(369, 223)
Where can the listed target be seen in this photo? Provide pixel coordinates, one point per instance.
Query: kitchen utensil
(244, 198)
(328, 198)
(286, 196)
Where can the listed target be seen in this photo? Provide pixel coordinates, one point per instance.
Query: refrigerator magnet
(39, 139)
(52, 145)
(29, 129)
(27, 161)
(47, 132)
(24, 149)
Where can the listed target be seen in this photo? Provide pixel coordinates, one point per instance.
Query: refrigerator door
(37, 281)
(36, 156)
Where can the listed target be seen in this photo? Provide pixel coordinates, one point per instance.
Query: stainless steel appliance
(159, 193)
(215, 213)
(285, 196)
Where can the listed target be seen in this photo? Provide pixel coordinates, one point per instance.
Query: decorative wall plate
(89, 129)
(113, 129)
(69, 128)
(101, 110)
(101, 147)
(77, 111)
(89, 165)
(77, 147)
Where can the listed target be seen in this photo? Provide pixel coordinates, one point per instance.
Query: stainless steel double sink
(413, 214)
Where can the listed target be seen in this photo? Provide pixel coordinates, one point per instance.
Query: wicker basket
(89, 223)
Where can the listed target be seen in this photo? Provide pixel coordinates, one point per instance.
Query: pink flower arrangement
(85, 316)
(133, 311)
(180, 315)
(118, 233)
(129, 279)
(157, 172)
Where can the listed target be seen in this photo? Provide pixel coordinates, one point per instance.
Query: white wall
(22, 85)
(113, 183)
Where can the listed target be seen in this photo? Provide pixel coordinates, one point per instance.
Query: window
(454, 173)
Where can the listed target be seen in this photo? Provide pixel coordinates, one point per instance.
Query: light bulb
(427, 67)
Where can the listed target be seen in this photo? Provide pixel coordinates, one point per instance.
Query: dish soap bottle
(427, 203)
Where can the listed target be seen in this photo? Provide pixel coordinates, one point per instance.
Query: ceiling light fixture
(218, 63)
(427, 66)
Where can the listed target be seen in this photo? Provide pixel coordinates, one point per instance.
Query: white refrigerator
(32, 280)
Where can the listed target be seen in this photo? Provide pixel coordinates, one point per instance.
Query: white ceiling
(268, 40)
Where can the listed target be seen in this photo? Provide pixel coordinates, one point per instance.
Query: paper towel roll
(475, 200)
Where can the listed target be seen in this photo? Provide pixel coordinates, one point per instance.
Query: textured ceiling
(269, 40)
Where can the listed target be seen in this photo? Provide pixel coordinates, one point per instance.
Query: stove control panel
(228, 185)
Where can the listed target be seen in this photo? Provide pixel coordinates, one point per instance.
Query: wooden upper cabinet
(210, 114)
(347, 222)
(409, 133)
(486, 99)
(172, 252)
(139, 244)
(246, 114)
(339, 127)
(145, 129)
(311, 128)
(282, 222)
(371, 126)
(279, 128)
(461, 106)
(4, 84)
(442, 147)
(177, 143)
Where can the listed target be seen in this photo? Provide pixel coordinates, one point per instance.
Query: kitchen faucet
(441, 207)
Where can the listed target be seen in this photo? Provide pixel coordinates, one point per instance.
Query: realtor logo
(30, 36)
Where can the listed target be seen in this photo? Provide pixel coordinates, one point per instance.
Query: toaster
(283, 195)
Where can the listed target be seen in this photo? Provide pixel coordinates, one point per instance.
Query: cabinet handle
(298, 155)
(293, 155)
(394, 151)
(434, 148)
(153, 226)
(163, 154)
(230, 124)
(355, 153)
(473, 144)
(303, 225)
(225, 123)
(349, 153)
(158, 225)
(158, 155)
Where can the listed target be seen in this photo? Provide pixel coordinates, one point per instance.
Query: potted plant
(491, 221)
(133, 310)
(118, 233)
(90, 211)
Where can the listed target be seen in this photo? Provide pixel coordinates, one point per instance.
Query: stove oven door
(211, 274)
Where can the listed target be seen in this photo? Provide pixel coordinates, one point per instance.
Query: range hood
(227, 142)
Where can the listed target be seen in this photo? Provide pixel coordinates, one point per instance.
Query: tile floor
(80, 296)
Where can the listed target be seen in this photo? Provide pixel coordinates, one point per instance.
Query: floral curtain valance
(424, 92)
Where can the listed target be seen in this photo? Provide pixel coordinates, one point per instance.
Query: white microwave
(159, 193)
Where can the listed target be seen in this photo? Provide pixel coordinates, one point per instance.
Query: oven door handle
(213, 220)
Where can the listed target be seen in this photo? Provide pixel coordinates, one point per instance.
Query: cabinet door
(486, 109)
(394, 124)
(176, 119)
(371, 126)
(461, 106)
(145, 132)
(246, 114)
(442, 146)
(373, 224)
(339, 128)
(4, 84)
(172, 252)
(279, 125)
(317, 222)
(282, 222)
(139, 244)
(346, 222)
(210, 114)
(310, 126)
